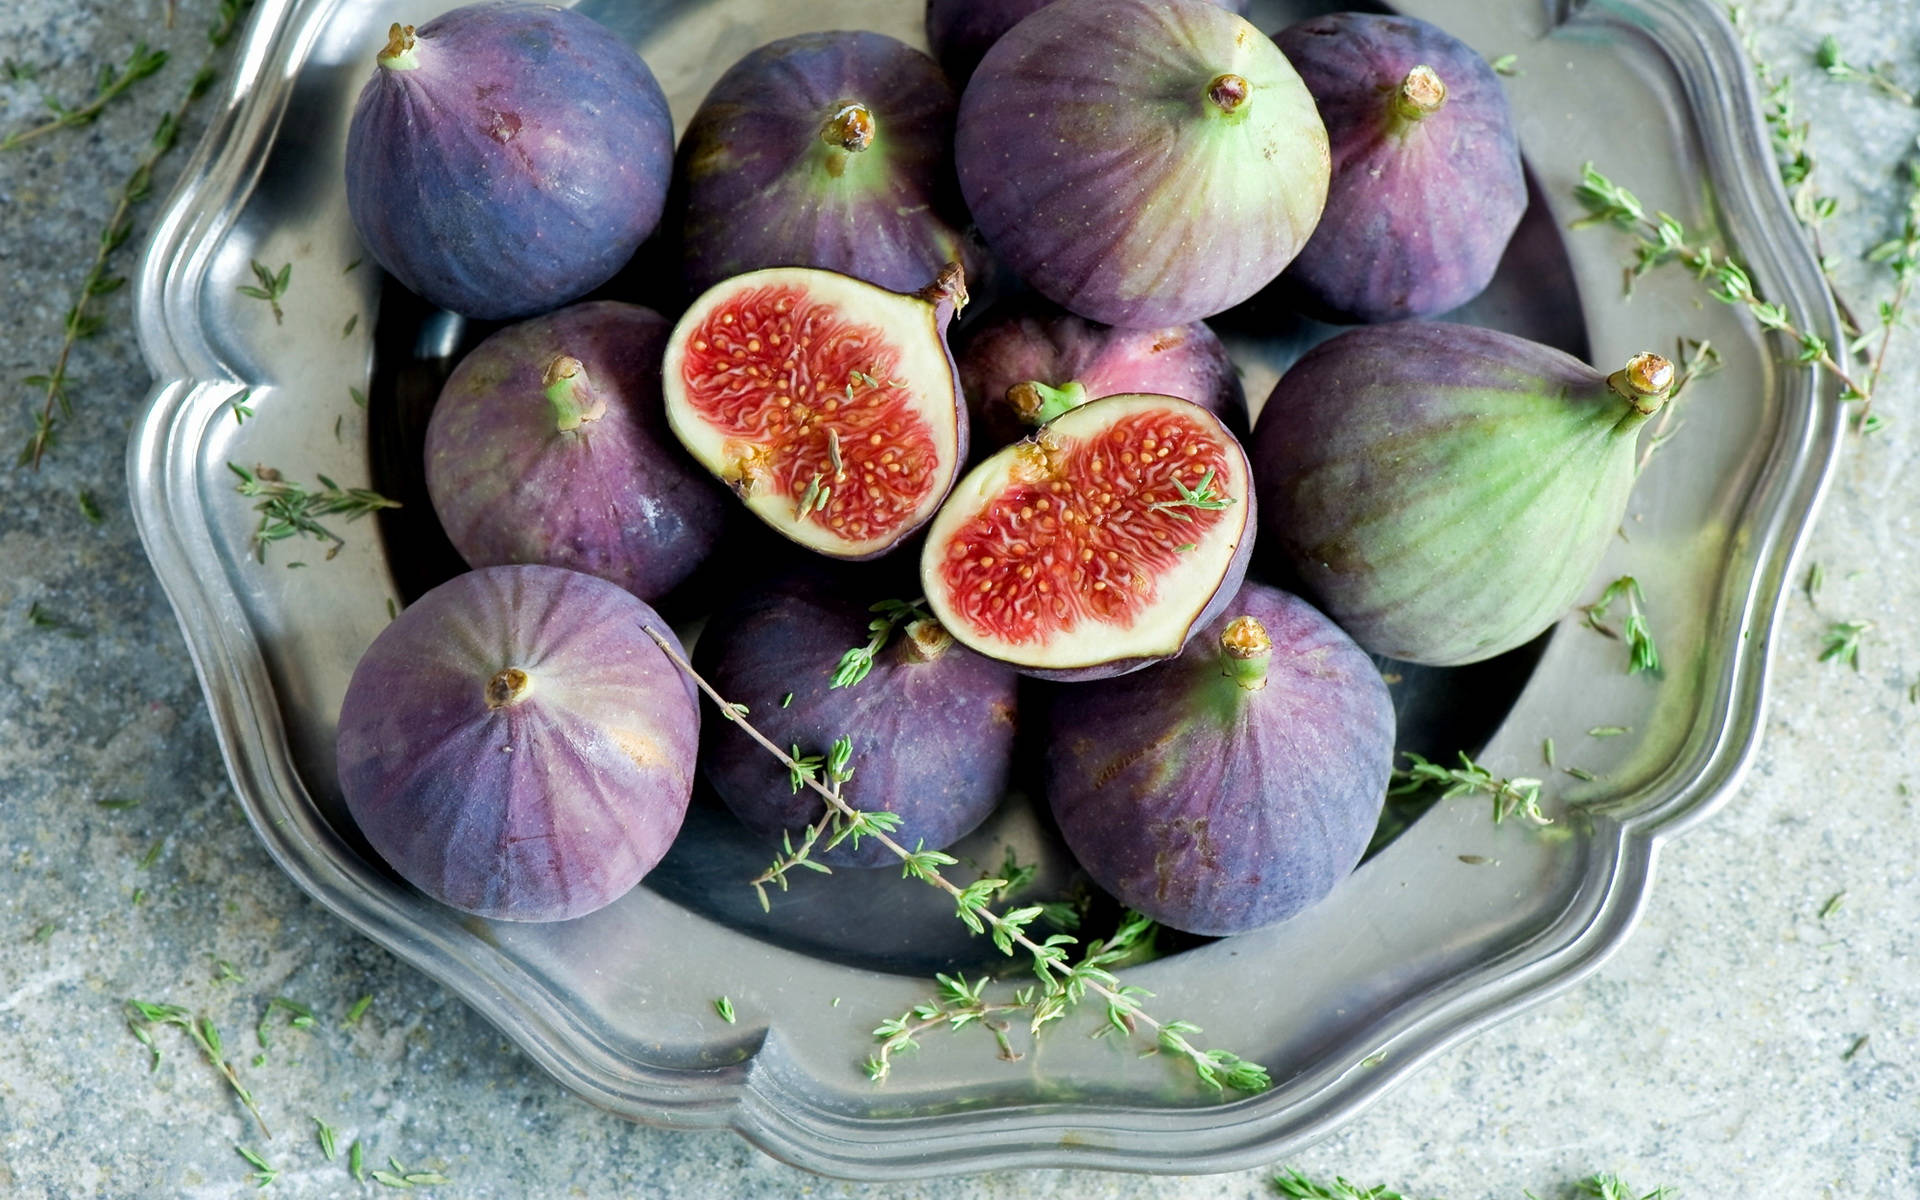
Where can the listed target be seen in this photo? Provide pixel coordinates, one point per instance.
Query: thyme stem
(1049, 957)
(112, 84)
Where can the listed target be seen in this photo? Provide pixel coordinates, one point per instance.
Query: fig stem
(925, 642)
(1421, 94)
(949, 287)
(399, 54)
(1245, 651)
(849, 127)
(508, 686)
(1036, 403)
(1645, 383)
(1229, 92)
(571, 394)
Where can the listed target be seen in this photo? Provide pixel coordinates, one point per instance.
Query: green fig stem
(1245, 651)
(1645, 383)
(849, 127)
(1229, 92)
(1036, 403)
(1421, 94)
(571, 394)
(925, 642)
(508, 686)
(400, 54)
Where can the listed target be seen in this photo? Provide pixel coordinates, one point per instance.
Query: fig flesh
(1233, 786)
(516, 746)
(962, 31)
(507, 158)
(829, 150)
(1427, 184)
(1445, 491)
(829, 405)
(1024, 364)
(1097, 545)
(549, 444)
(1141, 162)
(930, 725)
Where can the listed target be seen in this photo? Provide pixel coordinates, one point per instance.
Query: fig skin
(540, 798)
(962, 31)
(766, 176)
(1036, 342)
(1443, 491)
(1213, 808)
(1421, 207)
(616, 496)
(932, 740)
(515, 166)
(1140, 162)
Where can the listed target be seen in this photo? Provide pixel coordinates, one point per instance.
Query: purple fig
(1234, 786)
(1025, 364)
(1427, 187)
(828, 404)
(517, 746)
(962, 31)
(1141, 162)
(507, 158)
(1099, 544)
(549, 444)
(928, 724)
(1444, 491)
(829, 150)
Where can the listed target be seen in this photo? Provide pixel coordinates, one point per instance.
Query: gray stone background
(1710, 1054)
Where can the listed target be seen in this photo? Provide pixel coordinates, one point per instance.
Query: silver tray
(1453, 926)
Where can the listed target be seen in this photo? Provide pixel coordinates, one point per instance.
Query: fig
(1141, 162)
(829, 405)
(1427, 186)
(1233, 786)
(507, 158)
(826, 150)
(929, 724)
(549, 444)
(1024, 364)
(962, 31)
(515, 745)
(1097, 545)
(1444, 491)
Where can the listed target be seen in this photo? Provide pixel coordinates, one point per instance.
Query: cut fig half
(829, 405)
(1099, 544)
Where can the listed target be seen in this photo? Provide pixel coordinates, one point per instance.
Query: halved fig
(1099, 544)
(829, 405)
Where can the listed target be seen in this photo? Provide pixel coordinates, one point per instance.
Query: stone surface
(1715, 1053)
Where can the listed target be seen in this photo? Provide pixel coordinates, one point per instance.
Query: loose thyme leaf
(1642, 654)
(1843, 642)
(724, 1006)
(1832, 905)
(89, 507)
(325, 1134)
(359, 1009)
(1506, 64)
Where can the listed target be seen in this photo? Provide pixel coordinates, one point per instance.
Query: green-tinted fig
(1444, 491)
(1427, 187)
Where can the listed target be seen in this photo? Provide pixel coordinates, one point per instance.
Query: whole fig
(549, 444)
(829, 150)
(1235, 785)
(1141, 162)
(1444, 491)
(1427, 186)
(517, 746)
(1026, 363)
(507, 157)
(929, 725)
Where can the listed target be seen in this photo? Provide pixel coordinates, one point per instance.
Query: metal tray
(1454, 925)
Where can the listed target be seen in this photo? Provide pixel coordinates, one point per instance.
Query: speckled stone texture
(1710, 1054)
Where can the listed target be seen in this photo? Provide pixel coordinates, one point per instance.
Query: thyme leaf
(1642, 654)
(1843, 642)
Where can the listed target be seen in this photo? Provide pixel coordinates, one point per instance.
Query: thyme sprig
(857, 662)
(1642, 654)
(143, 1016)
(273, 286)
(959, 1004)
(1201, 497)
(1831, 61)
(1295, 1186)
(289, 510)
(80, 323)
(111, 83)
(263, 1173)
(1517, 797)
(834, 825)
(1062, 984)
